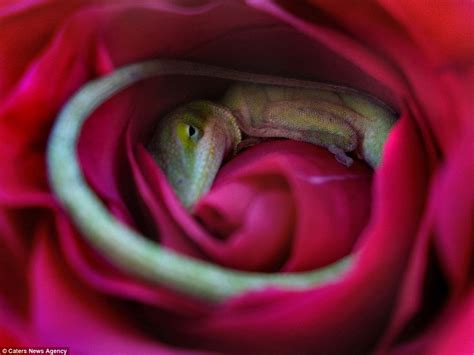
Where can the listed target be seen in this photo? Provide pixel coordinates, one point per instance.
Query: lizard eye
(188, 132)
(192, 132)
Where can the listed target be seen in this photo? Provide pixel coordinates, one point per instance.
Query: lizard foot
(341, 156)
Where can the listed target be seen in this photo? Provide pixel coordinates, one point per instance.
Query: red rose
(409, 222)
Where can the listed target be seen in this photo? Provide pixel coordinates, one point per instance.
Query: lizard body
(191, 142)
(126, 248)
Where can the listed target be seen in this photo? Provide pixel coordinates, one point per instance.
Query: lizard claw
(341, 156)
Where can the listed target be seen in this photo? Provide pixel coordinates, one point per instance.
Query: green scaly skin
(199, 150)
(191, 142)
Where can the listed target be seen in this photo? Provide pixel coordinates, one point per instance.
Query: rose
(414, 244)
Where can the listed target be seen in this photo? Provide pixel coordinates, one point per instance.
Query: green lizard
(199, 135)
(191, 142)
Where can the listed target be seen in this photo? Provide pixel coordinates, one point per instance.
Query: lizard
(191, 142)
(141, 257)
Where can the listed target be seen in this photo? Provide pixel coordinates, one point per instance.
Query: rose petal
(316, 183)
(63, 319)
(456, 335)
(453, 205)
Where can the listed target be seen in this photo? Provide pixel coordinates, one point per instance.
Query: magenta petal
(65, 312)
(456, 332)
(453, 206)
(95, 271)
(255, 237)
(312, 183)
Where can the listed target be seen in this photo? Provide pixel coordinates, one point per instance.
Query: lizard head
(189, 145)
